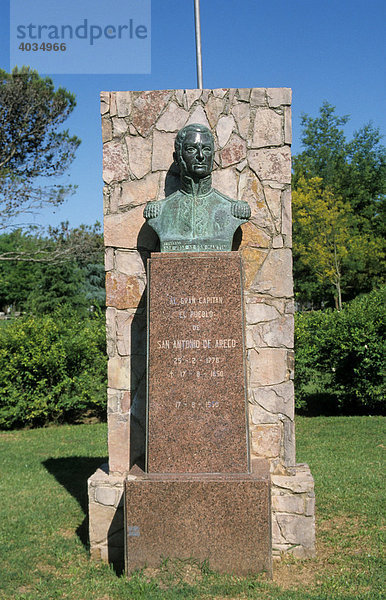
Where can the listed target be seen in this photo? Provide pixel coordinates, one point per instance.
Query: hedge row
(340, 358)
(52, 369)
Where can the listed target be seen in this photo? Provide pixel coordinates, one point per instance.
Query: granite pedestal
(223, 518)
(196, 373)
(199, 497)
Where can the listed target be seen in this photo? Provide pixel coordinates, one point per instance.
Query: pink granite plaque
(223, 518)
(196, 375)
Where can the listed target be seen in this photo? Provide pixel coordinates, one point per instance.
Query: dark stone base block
(222, 518)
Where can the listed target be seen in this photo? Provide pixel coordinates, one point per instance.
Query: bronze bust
(196, 218)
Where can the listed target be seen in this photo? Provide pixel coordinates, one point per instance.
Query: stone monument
(152, 450)
(198, 496)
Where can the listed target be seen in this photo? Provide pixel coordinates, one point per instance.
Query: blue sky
(332, 50)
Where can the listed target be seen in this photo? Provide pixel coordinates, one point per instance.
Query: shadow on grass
(72, 473)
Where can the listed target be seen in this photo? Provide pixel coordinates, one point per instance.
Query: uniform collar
(201, 188)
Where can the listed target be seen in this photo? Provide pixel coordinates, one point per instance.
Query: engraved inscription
(196, 366)
(198, 405)
(189, 247)
(193, 300)
(190, 344)
(196, 395)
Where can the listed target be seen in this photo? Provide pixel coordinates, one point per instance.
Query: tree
(339, 192)
(355, 169)
(83, 243)
(30, 144)
(39, 272)
(326, 245)
(58, 285)
(94, 284)
(17, 279)
(324, 147)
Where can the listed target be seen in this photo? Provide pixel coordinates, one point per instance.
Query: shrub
(52, 368)
(340, 357)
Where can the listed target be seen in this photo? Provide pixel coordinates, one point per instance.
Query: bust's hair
(181, 135)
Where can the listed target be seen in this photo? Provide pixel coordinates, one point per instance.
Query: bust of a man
(196, 218)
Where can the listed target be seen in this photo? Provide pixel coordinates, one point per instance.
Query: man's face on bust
(197, 154)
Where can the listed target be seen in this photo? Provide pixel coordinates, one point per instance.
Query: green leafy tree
(339, 196)
(31, 146)
(39, 272)
(355, 169)
(94, 284)
(324, 144)
(17, 278)
(83, 243)
(326, 245)
(57, 285)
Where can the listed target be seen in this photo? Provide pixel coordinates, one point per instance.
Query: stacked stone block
(252, 131)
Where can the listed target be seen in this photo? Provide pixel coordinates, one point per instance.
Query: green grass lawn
(43, 528)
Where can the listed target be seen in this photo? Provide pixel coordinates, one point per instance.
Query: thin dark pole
(198, 43)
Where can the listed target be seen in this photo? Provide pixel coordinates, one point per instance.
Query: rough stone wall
(106, 522)
(293, 512)
(252, 131)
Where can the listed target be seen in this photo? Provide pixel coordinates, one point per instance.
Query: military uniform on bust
(196, 218)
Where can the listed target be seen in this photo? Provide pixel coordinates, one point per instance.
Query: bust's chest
(201, 217)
